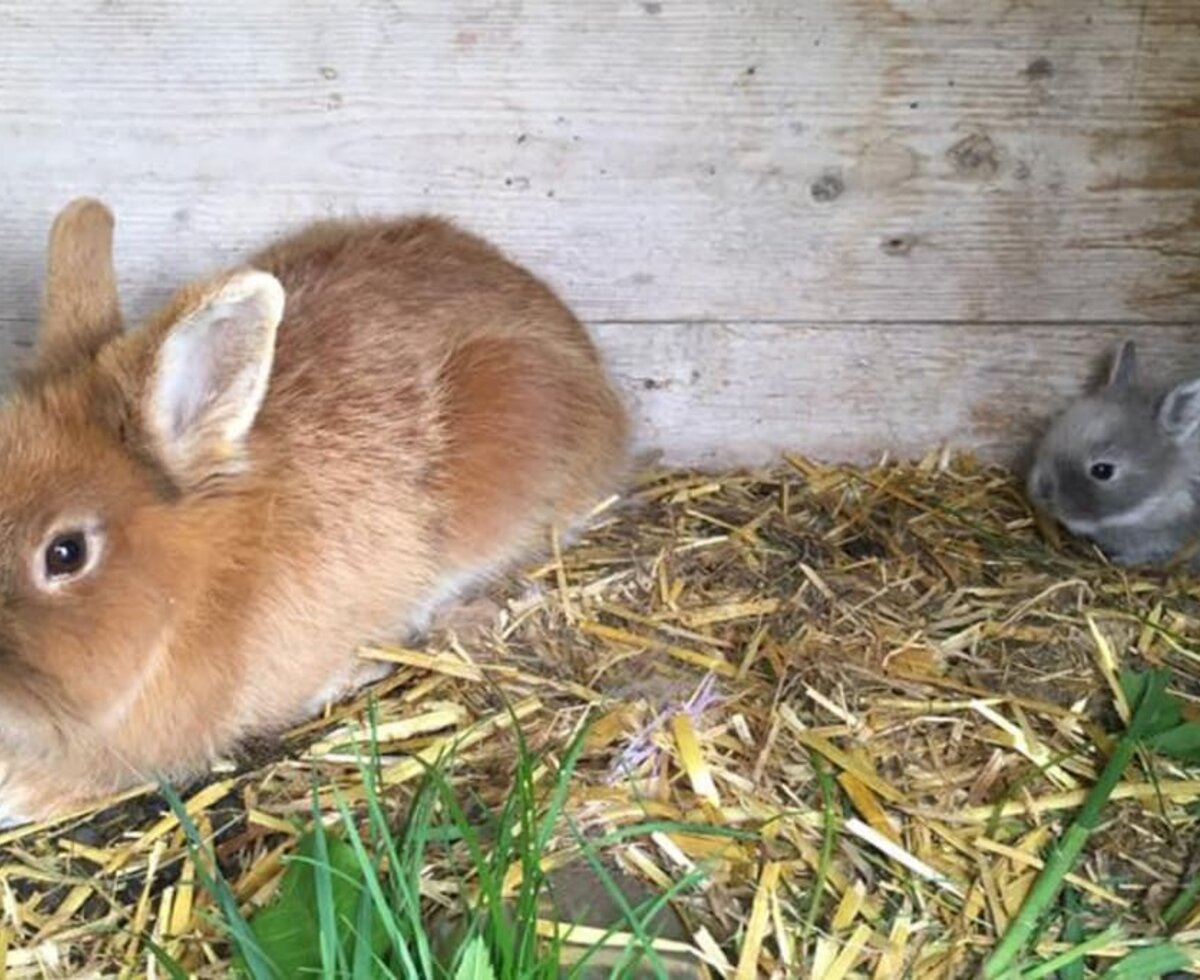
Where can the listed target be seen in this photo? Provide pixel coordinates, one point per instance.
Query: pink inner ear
(211, 376)
(191, 372)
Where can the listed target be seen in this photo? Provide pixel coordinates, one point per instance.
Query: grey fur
(1150, 508)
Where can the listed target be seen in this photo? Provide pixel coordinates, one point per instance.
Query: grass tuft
(350, 903)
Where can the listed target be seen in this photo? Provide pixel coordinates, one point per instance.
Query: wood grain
(727, 393)
(712, 394)
(680, 168)
(1006, 159)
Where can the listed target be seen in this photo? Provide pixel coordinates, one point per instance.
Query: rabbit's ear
(1123, 372)
(80, 311)
(1179, 413)
(210, 376)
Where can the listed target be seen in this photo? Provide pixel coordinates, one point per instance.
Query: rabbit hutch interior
(802, 685)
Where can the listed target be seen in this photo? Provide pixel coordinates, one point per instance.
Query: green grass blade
(636, 927)
(829, 828)
(1065, 853)
(371, 885)
(1149, 962)
(165, 960)
(1074, 956)
(365, 965)
(1072, 932)
(255, 961)
(328, 930)
(404, 877)
(1182, 904)
(489, 869)
(520, 844)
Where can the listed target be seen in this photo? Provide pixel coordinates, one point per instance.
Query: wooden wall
(839, 226)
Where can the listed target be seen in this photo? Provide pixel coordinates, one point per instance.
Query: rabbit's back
(425, 361)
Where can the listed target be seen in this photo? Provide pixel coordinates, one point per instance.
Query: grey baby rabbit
(1121, 467)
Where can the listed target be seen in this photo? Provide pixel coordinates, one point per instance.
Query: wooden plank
(839, 228)
(714, 394)
(774, 160)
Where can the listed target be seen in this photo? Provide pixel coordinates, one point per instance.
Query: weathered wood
(712, 394)
(776, 159)
(666, 164)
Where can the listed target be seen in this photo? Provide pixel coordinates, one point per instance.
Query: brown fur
(431, 410)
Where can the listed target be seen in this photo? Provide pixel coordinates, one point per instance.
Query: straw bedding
(898, 647)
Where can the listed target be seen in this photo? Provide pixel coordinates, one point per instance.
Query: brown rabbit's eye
(1103, 471)
(66, 554)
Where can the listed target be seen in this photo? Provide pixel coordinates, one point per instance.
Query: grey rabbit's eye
(1102, 471)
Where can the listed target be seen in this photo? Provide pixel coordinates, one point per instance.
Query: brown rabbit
(200, 520)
